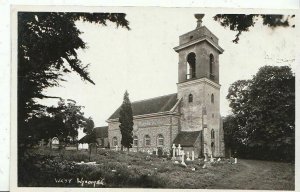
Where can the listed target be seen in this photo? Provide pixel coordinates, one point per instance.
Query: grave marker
(188, 156)
(193, 155)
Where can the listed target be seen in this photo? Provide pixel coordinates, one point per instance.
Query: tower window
(147, 140)
(212, 98)
(191, 66)
(160, 140)
(211, 64)
(135, 141)
(190, 98)
(212, 134)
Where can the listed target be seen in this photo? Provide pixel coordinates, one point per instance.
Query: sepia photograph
(151, 97)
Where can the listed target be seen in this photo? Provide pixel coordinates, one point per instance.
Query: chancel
(189, 118)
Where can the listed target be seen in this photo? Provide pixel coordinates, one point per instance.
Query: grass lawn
(47, 168)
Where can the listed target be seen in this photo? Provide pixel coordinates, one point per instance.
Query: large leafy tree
(242, 22)
(62, 121)
(264, 109)
(126, 122)
(47, 49)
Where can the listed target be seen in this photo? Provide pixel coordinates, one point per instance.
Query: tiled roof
(186, 139)
(148, 106)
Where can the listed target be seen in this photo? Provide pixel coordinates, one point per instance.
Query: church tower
(198, 87)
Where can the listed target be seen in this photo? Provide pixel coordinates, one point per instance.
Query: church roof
(186, 139)
(148, 106)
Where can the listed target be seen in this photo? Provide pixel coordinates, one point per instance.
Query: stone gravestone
(182, 159)
(205, 157)
(235, 160)
(188, 156)
(211, 158)
(193, 155)
(179, 152)
(174, 149)
(116, 147)
(156, 151)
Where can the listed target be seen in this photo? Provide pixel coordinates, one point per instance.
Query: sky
(142, 60)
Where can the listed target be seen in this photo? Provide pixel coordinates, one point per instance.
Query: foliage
(88, 125)
(126, 122)
(62, 121)
(47, 49)
(264, 113)
(243, 23)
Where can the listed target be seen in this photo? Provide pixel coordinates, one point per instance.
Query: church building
(191, 117)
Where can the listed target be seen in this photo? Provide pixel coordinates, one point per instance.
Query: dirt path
(256, 175)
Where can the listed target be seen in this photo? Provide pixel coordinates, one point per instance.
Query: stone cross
(116, 147)
(193, 155)
(148, 151)
(179, 149)
(174, 148)
(188, 156)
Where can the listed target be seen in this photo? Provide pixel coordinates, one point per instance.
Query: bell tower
(198, 86)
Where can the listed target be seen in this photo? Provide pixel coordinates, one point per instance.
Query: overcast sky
(142, 60)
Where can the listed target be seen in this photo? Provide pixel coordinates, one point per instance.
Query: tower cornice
(197, 81)
(199, 40)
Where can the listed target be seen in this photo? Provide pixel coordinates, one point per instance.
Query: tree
(234, 134)
(47, 49)
(126, 122)
(243, 23)
(62, 121)
(264, 107)
(88, 125)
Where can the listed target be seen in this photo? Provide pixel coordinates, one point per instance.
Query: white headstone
(148, 151)
(235, 160)
(156, 151)
(219, 159)
(182, 157)
(211, 158)
(188, 156)
(179, 149)
(193, 155)
(205, 157)
(174, 148)
(116, 147)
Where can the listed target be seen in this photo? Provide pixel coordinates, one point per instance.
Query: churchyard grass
(46, 168)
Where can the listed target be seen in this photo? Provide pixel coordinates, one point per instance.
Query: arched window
(212, 98)
(135, 141)
(191, 66)
(190, 98)
(212, 134)
(147, 140)
(115, 141)
(211, 64)
(160, 140)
